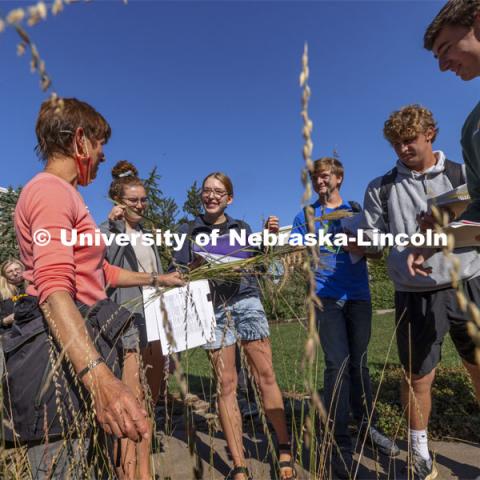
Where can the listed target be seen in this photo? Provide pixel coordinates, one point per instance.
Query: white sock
(419, 441)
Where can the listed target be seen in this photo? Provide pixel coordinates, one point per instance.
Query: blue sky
(193, 87)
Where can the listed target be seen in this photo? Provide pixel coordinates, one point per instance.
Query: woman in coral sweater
(67, 283)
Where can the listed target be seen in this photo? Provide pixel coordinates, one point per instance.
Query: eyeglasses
(206, 192)
(134, 201)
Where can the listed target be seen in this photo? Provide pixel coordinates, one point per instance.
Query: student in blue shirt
(344, 323)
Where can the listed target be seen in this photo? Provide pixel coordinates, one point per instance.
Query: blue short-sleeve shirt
(338, 277)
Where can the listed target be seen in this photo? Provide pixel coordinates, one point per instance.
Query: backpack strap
(454, 173)
(385, 187)
(355, 206)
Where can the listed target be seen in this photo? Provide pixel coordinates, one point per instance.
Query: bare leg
(418, 399)
(134, 457)
(474, 372)
(259, 356)
(223, 362)
(154, 363)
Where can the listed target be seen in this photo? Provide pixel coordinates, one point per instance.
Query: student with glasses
(239, 317)
(130, 196)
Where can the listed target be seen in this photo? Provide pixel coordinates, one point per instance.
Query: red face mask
(84, 167)
(84, 170)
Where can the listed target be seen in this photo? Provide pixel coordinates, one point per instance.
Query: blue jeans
(242, 318)
(345, 329)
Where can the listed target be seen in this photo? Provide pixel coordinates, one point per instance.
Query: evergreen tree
(8, 240)
(193, 204)
(161, 212)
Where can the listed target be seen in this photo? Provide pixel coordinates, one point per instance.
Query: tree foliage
(193, 204)
(8, 240)
(381, 287)
(161, 212)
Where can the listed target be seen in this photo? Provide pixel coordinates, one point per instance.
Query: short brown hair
(454, 12)
(124, 174)
(408, 122)
(331, 163)
(58, 120)
(225, 179)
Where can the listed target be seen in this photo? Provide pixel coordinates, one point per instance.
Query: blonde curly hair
(408, 122)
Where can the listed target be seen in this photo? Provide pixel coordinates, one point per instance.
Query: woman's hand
(174, 279)
(272, 224)
(117, 410)
(197, 262)
(117, 213)
(8, 320)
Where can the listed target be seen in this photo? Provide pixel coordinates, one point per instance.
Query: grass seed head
(16, 16)
(474, 313)
(57, 7)
(21, 49)
(37, 13)
(462, 301)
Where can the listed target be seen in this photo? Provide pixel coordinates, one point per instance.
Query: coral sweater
(50, 203)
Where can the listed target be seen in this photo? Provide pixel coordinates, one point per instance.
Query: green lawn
(453, 398)
(288, 341)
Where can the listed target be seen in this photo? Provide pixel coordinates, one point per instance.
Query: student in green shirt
(454, 38)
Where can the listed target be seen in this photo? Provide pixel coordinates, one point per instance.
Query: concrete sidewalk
(455, 460)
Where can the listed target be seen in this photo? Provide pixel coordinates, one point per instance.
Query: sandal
(286, 448)
(238, 470)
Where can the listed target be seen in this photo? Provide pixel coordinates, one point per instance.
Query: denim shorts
(242, 318)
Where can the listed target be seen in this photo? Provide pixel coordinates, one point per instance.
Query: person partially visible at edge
(454, 39)
(11, 286)
(71, 135)
(344, 324)
(128, 191)
(239, 317)
(426, 308)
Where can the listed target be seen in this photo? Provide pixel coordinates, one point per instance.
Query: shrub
(285, 300)
(455, 410)
(381, 287)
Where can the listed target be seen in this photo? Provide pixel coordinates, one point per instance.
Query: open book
(455, 201)
(465, 233)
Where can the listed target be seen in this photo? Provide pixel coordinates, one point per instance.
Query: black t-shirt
(222, 290)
